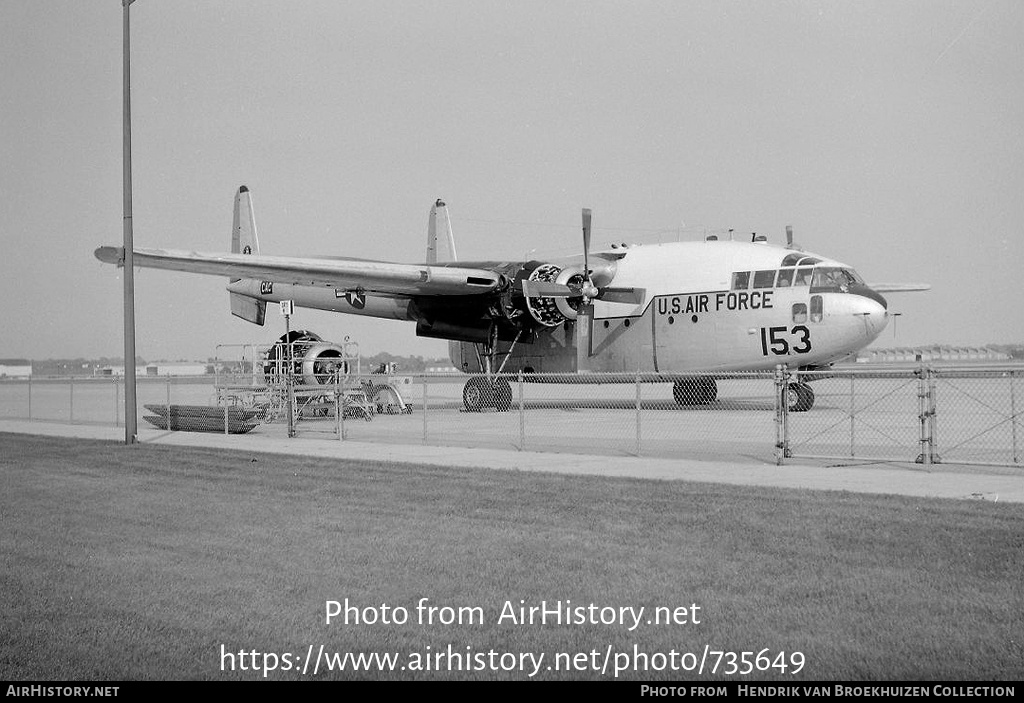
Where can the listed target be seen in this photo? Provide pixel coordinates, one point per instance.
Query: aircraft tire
(502, 394)
(685, 392)
(800, 398)
(708, 391)
(695, 391)
(477, 394)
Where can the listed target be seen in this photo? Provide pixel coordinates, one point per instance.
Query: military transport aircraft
(680, 312)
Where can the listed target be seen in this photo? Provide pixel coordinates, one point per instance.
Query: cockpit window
(829, 278)
(764, 279)
(740, 280)
(785, 279)
(791, 259)
(803, 277)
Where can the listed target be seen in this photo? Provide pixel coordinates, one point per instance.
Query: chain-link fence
(927, 415)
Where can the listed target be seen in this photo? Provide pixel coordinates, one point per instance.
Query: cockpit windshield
(828, 278)
(821, 279)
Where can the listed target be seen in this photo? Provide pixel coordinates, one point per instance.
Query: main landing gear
(490, 390)
(799, 397)
(481, 392)
(695, 391)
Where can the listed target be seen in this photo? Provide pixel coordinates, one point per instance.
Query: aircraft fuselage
(715, 306)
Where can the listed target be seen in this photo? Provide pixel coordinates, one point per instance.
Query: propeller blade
(543, 289)
(633, 296)
(586, 232)
(584, 341)
(588, 284)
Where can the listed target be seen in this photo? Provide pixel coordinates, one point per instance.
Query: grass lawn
(149, 562)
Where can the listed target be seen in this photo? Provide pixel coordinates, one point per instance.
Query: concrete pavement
(937, 481)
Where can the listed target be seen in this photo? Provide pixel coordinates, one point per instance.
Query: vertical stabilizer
(244, 240)
(439, 211)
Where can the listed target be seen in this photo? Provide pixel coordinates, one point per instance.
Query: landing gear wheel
(799, 398)
(684, 392)
(708, 390)
(695, 391)
(478, 394)
(502, 394)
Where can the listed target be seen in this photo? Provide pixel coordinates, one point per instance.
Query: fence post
(1013, 416)
(423, 379)
(925, 457)
(781, 414)
(366, 405)
(337, 405)
(290, 391)
(638, 413)
(853, 413)
(932, 418)
(522, 415)
(169, 403)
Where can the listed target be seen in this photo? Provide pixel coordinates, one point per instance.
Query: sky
(889, 134)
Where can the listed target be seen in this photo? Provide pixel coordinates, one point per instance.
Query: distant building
(167, 368)
(441, 369)
(15, 368)
(934, 353)
(161, 368)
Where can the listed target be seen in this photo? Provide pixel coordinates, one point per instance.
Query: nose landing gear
(799, 397)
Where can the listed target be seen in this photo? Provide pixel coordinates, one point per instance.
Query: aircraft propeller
(585, 288)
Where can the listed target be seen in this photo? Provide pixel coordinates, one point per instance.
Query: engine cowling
(307, 357)
(551, 312)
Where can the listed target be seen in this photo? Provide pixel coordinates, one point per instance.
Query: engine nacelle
(307, 358)
(551, 312)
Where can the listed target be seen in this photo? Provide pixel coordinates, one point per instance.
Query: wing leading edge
(370, 276)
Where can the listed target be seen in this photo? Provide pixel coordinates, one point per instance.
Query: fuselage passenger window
(799, 312)
(816, 311)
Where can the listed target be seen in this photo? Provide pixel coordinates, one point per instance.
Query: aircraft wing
(898, 287)
(350, 274)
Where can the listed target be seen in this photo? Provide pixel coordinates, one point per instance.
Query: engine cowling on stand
(305, 356)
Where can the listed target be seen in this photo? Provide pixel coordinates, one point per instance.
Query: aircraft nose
(874, 314)
(868, 293)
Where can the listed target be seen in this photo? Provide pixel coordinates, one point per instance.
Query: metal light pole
(131, 416)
